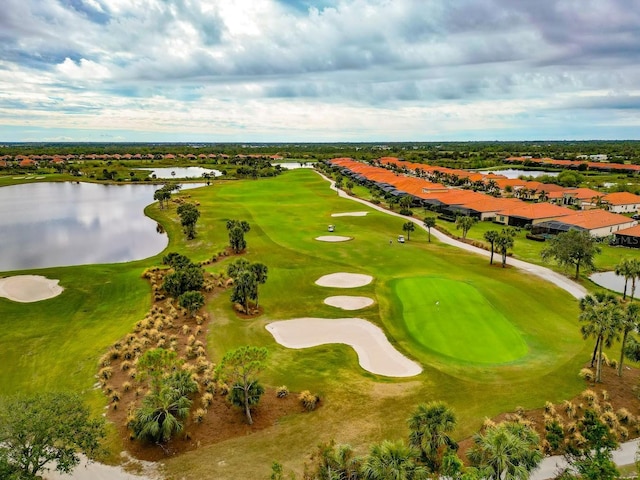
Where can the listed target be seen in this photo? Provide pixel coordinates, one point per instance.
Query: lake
(513, 173)
(55, 224)
(181, 172)
(293, 165)
(611, 281)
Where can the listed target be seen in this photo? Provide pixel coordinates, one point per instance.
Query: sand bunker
(347, 302)
(349, 214)
(29, 288)
(375, 353)
(333, 238)
(344, 280)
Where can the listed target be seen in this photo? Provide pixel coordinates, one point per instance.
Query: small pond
(181, 172)
(513, 173)
(293, 165)
(54, 224)
(611, 281)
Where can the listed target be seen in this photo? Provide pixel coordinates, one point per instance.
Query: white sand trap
(375, 353)
(29, 288)
(349, 214)
(344, 280)
(333, 238)
(348, 302)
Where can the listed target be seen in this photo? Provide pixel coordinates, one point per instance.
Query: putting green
(454, 319)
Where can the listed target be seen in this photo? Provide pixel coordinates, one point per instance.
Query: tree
(161, 413)
(242, 224)
(339, 181)
(628, 323)
(162, 195)
(392, 460)
(260, 271)
(156, 363)
(239, 369)
(350, 185)
(505, 451)
(177, 260)
(573, 248)
(189, 215)
(601, 316)
(46, 429)
(405, 204)
(333, 462)
(183, 280)
(430, 425)
(236, 240)
(429, 223)
(192, 301)
(626, 269)
(408, 227)
(590, 454)
(464, 223)
(504, 242)
(635, 272)
(491, 236)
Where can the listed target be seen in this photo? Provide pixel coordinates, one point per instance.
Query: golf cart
(331, 228)
(400, 238)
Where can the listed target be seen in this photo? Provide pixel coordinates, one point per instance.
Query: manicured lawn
(454, 319)
(536, 355)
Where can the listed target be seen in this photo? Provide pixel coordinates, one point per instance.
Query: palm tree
(392, 460)
(635, 273)
(408, 227)
(429, 223)
(160, 415)
(625, 269)
(628, 323)
(465, 223)
(260, 271)
(505, 242)
(600, 313)
(507, 451)
(430, 426)
(335, 462)
(543, 196)
(491, 236)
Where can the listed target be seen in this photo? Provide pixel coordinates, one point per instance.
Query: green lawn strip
(455, 320)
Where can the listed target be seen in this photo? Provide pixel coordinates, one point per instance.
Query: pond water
(181, 172)
(513, 173)
(54, 224)
(293, 165)
(611, 281)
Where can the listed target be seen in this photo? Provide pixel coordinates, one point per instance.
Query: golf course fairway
(454, 319)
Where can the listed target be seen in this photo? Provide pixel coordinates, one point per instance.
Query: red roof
(621, 198)
(591, 219)
(536, 211)
(630, 232)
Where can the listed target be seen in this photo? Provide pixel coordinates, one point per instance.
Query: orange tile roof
(536, 211)
(631, 231)
(583, 193)
(621, 198)
(591, 219)
(492, 204)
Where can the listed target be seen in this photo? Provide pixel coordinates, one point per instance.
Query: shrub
(223, 388)
(587, 374)
(126, 386)
(207, 399)
(605, 395)
(589, 396)
(199, 414)
(613, 363)
(105, 373)
(549, 408)
(308, 400)
(115, 396)
(282, 391)
(569, 408)
(624, 416)
(126, 365)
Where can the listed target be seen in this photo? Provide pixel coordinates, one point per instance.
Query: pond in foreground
(55, 224)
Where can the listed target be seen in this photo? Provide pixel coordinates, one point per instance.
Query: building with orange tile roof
(583, 198)
(628, 237)
(599, 223)
(622, 202)
(531, 214)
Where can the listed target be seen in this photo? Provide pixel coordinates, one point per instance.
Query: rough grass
(56, 343)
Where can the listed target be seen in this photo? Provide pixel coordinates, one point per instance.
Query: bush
(199, 414)
(308, 400)
(282, 391)
(587, 374)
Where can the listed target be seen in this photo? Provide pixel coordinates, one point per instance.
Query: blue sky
(319, 70)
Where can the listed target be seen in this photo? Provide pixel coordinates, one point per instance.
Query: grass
(456, 320)
(56, 343)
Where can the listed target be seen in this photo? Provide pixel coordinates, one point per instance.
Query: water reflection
(513, 173)
(611, 281)
(54, 224)
(293, 165)
(181, 172)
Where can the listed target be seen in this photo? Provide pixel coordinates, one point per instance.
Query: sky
(318, 70)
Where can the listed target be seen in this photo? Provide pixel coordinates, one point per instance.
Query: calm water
(611, 281)
(293, 165)
(54, 224)
(182, 172)
(513, 173)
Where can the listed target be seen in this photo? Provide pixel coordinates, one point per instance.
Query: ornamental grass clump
(309, 400)
(282, 391)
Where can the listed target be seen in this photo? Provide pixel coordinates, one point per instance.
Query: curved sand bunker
(375, 353)
(349, 214)
(333, 238)
(344, 280)
(29, 288)
(348, 302)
